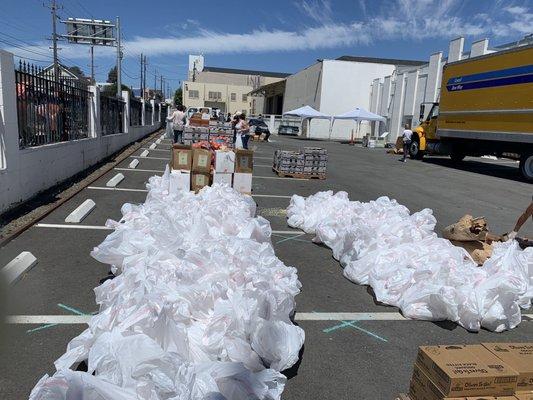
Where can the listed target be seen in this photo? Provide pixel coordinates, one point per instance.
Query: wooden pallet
(298, 175)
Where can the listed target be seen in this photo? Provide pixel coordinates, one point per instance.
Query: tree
(111, 90)
(178, 97)
(76, 71)
(112, 75)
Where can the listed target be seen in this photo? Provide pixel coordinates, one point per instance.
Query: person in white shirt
(406, 136)
(178, 119)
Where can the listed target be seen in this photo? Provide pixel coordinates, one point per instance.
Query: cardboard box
(199, 180)
(181, 157)
(242, 182)
(244, 161)
(221, 177)
(201, 160)
(519, 356)
(466, 370)
(224, 161)
(422, 388)
(179, 180)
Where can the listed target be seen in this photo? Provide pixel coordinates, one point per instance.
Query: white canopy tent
(307, 112)
(357, 114)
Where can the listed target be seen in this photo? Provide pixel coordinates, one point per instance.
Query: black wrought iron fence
(156, 114)
(164, 111)
(148, 110)
(135, 112)
(49, 111)
(111, 115)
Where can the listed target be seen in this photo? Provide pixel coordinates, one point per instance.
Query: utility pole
(141, 84)
(92, 65)
(161, 84)
(53, 9)
(155, 80)
(119, 60)
(144, 78)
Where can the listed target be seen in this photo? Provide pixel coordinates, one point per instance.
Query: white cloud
(317, 10)
(408, 20)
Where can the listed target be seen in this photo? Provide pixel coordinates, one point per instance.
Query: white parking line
(118, 189)
(139, 170)
(151, 158)
(154, 149)
(340, 316)
(48, 319)
(63, 226)
(278, 177)
(274, 196)
(101, 227)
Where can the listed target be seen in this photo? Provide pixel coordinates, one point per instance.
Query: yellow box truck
(485, 108)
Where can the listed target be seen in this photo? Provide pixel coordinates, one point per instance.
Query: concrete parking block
(81, 212)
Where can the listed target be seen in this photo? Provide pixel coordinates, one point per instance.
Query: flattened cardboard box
(528, 395)
(244, 161)
(199, 180)
(181, 157)
(519, 356)
(466, 370)
(201, 160)
(422, 388)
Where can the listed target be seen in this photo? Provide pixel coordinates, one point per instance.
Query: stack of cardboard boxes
(467, 372)
(310, 162)
(218, 134)
(192, 169)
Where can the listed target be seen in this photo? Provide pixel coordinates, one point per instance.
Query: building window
(244, 97)
(193, 94)
(234, 97)
(214, 96)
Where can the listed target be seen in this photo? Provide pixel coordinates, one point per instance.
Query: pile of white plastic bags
(200, 308)
(381, 244)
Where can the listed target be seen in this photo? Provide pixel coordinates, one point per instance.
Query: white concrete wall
(26, 172)
(303, 88)
(409, 87)
(334, 87)
(479, 48)
(455, 52)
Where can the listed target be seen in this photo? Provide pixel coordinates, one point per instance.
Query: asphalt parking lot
(370, 358)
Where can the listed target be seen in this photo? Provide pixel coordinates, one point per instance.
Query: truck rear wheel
(526, 166)
(414, 150)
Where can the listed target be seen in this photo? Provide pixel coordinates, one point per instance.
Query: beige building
(224, 88)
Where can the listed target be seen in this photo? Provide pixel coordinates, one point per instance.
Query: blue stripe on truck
(503, 77)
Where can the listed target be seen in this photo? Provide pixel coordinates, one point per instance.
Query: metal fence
(111, 115)
(164, 111)
(135, 112)
(148, 109)
(49, 111)
(156, 114)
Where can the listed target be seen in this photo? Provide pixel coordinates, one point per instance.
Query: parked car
(260, 126)
(288, 128)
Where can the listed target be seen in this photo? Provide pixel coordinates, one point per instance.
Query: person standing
(406, 137)
(243, 129)
(178, 119)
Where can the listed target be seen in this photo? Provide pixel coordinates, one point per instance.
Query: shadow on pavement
(479, 167)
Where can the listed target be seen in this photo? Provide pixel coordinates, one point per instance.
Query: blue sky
(274, 35)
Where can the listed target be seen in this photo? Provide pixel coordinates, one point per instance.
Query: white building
(398, 95)
(335, 87)
(224, 88)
